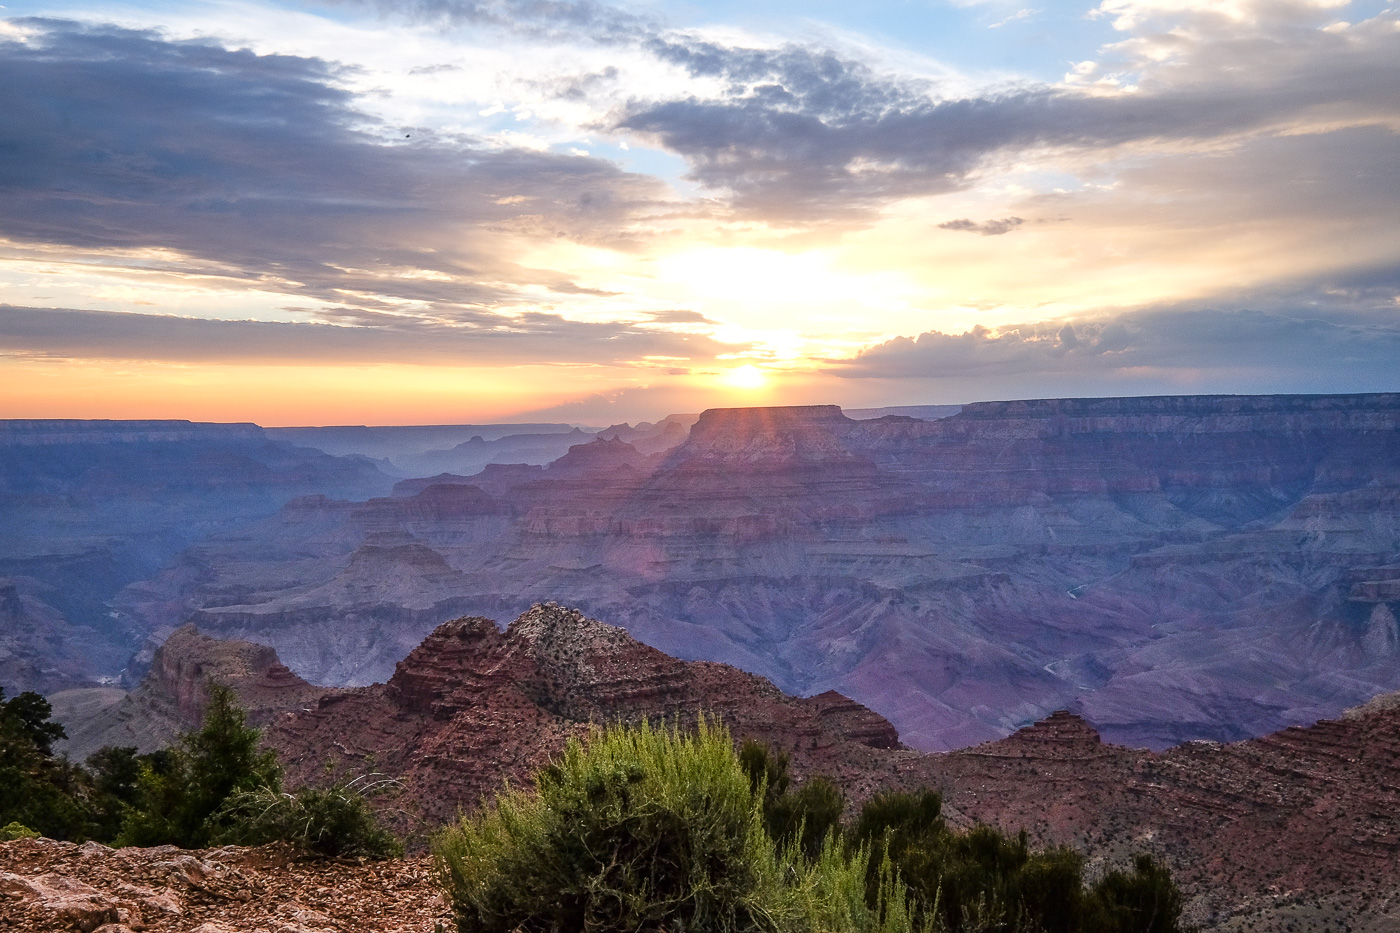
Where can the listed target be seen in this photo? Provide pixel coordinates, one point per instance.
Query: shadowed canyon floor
(1299, 827)
(1171, 568)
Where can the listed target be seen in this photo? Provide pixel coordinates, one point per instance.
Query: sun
(747, 376)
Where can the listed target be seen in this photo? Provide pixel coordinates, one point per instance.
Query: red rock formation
(473, 706)
(1172, 568)
(1258, 832)
(1272, 824)
(172, 698)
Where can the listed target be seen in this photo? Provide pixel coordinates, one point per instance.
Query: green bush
(37, 789)
(15, 831)
(181, 794)
(644, 828)
(982, 879)
(807, 815)
(335, 821)
(1144, 900)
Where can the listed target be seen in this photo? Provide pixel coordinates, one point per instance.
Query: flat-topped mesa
(189, 662)
(796, 432)
(1193, 414)
(1062, 736)
(43, 432)
(604, 456)
(171, 699)
(436, 503)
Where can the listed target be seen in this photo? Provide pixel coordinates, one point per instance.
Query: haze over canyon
(1171, 568)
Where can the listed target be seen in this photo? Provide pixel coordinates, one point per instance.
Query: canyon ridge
(1170, 568)
(1295, 829)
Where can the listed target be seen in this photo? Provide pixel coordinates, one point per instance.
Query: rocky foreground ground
(60, 887)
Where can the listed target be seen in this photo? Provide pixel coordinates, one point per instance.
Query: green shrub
(16, 831)
(335, 821)
(1144, 900)
(181, 794)
(807, 815)
(644, 828)
(982, 879)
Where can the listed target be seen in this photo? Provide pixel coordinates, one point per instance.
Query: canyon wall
(89, 507)
(1300, 828)
(1201, 567)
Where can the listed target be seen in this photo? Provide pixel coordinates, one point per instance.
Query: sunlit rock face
(1172, 568)
(472, 706)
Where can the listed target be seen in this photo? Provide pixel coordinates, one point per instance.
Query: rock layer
(473, 706)
(172, 697)
(1288, 828)
(1175, 568)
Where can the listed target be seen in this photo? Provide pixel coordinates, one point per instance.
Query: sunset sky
(479, 210)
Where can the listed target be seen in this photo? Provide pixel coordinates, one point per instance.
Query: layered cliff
(1299, 826)
(1177, 568)
(473, 706)
(1295, 827)
(171, 699)
(90, 507)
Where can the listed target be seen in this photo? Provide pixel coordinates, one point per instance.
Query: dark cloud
(566, 20)
(986, 228)
(373, 338)
(801, 133)
(1349, 346)
(260, 169)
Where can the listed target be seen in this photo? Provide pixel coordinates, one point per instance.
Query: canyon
(1299, 827)
(1172, 569)
(90, 507)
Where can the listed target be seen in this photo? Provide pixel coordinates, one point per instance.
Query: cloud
(259, 170)
(1017, 17)
(1351, 346)
(986, 228)
(571, 20)
(802, 134)
(352, 336)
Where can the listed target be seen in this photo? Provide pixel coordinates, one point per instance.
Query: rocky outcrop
(59, 887)
(1258, 832)
(172, 698)
(473, 706)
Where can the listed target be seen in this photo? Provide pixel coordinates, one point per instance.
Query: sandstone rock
(1173, 568)
(64, 899)
(290, 894)
(473, 706)
(150, 900)
(171, 698)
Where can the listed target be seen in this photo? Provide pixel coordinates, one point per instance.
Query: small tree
(805, 816)
(37, 789)
(180, 795)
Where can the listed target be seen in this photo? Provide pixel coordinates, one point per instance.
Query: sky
(451, 211)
